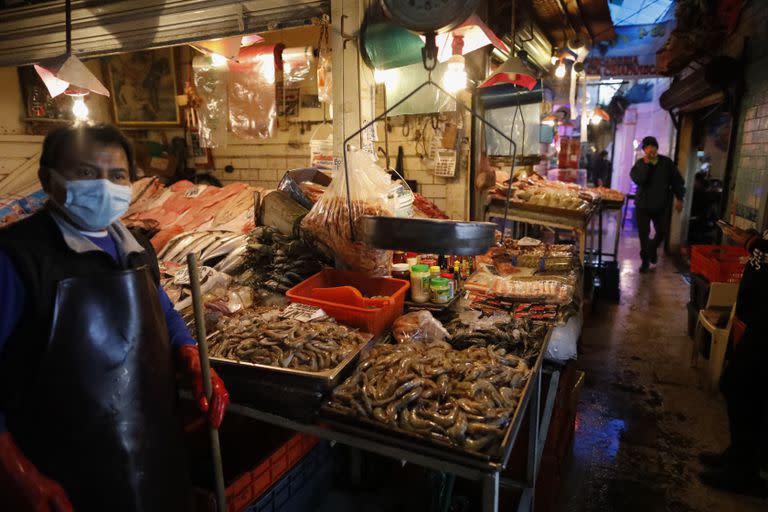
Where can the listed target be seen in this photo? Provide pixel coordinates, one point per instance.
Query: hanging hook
(435, 121)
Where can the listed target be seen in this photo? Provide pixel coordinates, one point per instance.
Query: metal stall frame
(540, 409)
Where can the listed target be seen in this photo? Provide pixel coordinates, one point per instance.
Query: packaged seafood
(330, 219)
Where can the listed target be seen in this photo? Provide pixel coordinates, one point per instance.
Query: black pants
(744, 386)
(648, 245)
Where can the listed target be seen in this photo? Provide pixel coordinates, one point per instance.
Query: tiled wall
(750, 187)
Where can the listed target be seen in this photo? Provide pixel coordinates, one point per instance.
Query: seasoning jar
(411, 258)
(420, 286)
(428, 259)
(451, 282)
(401, 271)
(440, 290)
(434, 271)
(398, 257)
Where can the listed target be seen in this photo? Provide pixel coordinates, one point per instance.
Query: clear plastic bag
(252, 93)
(329, 219)
(212, 112)
(297, 63)
(419, 326)
(324, 77)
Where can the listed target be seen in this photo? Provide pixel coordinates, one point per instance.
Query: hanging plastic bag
(211, 88)
(329, 219)
(252, 93)
(297, 63)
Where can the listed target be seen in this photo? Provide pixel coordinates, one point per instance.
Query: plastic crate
(371, 315)
(249, 485)
(300, 488)
(718, 263)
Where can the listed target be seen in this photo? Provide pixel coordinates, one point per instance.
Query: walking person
(657, 180)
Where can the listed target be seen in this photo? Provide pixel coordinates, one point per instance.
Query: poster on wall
(143, 88)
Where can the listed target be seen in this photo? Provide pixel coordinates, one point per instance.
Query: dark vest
(43, 259)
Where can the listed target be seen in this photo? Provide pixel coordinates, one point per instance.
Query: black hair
(650, 141)
(604, 153)
(61, 140)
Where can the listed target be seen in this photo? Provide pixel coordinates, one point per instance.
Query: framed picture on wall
(143, 88)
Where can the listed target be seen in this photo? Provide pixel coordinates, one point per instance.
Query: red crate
(369, 315)
(719, 263)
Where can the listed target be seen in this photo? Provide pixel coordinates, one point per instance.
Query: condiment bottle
(440, 290)
(398, 257)
(420, 283)
(401, 271)
(451, 282)
(434, 271)
(411, 258)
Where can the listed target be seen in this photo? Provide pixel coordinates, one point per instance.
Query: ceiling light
(512, 71)
(455, 76)
(79, 108)
(595, 119)
(560, 70)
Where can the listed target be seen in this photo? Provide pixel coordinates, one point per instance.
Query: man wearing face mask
(89, 345)
(657, 180)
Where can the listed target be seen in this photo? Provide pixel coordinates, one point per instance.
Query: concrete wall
(749, 187)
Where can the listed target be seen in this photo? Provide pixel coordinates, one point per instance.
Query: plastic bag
(324, 76)
(252, 93)
(419, 326)
(329, 219)
(296, 65)
(211, 86)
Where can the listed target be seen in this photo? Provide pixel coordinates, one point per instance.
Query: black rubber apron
(100, 417)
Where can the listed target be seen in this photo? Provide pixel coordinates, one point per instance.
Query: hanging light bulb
(385, 76)
(595, 119)
(218, 60)
(79, 108)
(455, 76)
(560, 70)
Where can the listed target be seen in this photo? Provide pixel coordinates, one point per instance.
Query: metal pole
(202, 343)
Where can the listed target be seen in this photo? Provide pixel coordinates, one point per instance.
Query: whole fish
(182, 245)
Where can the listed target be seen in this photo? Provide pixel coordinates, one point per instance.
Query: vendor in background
(603, 170)
(743, 382)
(89, 345)
(657, 180)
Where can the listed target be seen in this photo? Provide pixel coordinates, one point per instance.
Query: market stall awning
(36, 32)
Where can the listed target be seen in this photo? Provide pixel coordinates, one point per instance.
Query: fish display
(222, 250)
(462, 397)
(517, 336)
(279, 262)
(267, 339)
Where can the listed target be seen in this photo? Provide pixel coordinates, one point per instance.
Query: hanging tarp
(633, 54)
(101, 27)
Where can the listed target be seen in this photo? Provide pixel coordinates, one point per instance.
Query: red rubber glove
(190, 359)
(22, 487)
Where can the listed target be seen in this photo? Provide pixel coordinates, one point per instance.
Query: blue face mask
(95, 204)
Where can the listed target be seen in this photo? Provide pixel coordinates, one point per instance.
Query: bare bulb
(455, 76)
(595, 120)
(218, 60)
(80, 109)
(560, 70)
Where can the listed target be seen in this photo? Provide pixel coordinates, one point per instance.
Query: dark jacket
(656, 183)
(43, 259)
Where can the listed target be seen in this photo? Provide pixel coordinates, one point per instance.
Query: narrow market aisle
(644, 414)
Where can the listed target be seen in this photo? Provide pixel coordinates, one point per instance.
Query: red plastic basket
(377, 314)
(719, 263)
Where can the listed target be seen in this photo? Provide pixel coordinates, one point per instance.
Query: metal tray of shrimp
(436, 448)
(320, 381)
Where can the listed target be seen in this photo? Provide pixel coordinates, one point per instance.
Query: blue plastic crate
(302, 486)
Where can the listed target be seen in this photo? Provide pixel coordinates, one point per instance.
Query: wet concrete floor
(644, 413)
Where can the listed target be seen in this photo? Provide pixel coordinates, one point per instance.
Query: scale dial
(429, 16)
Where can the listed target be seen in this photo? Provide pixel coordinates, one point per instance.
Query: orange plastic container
(342, 294)
(719, 263)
